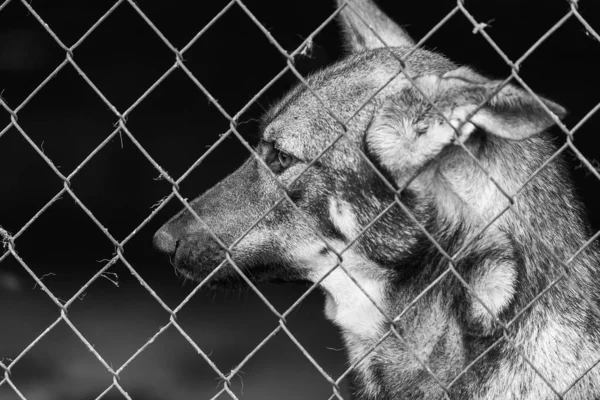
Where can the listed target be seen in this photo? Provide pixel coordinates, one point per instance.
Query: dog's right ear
(362, 22)
(405, 142)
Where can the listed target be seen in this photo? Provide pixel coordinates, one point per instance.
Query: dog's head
(322, 184)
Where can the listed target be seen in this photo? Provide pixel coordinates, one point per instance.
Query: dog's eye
(285, 160)
(276, 159)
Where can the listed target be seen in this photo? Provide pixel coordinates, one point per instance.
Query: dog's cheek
(312, 208)
(392, 234)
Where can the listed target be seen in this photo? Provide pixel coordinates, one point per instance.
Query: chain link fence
(121, 129)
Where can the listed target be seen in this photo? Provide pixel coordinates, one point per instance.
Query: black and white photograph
(325, 199)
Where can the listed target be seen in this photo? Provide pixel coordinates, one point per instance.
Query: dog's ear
(468, 99)
(407, 132)
(361, 18)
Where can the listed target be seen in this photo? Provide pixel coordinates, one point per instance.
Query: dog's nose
(165, 242)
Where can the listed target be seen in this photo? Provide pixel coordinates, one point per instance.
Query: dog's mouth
(199, 266)
(227, 277)
(208, 264)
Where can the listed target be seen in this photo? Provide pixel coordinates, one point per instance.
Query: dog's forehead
(306, 126)
(307, 120)
(344, 95)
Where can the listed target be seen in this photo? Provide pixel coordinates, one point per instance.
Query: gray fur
(445, 191)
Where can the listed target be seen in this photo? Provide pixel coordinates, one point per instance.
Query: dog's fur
(414, 136)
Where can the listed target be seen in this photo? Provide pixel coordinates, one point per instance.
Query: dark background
(175, 124)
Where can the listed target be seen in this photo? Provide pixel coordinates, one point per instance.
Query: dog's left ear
(361, 18)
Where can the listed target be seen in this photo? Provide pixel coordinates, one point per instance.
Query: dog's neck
(429, 331)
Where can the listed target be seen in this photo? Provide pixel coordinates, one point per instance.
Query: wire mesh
(460, 10)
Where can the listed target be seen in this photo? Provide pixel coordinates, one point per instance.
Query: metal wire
(122, 128)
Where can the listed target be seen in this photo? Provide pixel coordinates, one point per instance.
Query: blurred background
(175, 124)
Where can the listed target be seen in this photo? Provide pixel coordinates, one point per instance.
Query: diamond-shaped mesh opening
(66, 138)
(123, 56)
(189, 118)
(132, 59)
(222, 79)
(63, 260)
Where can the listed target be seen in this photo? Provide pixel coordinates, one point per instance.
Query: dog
(424, 200)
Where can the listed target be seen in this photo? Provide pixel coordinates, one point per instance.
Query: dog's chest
(354, 305)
